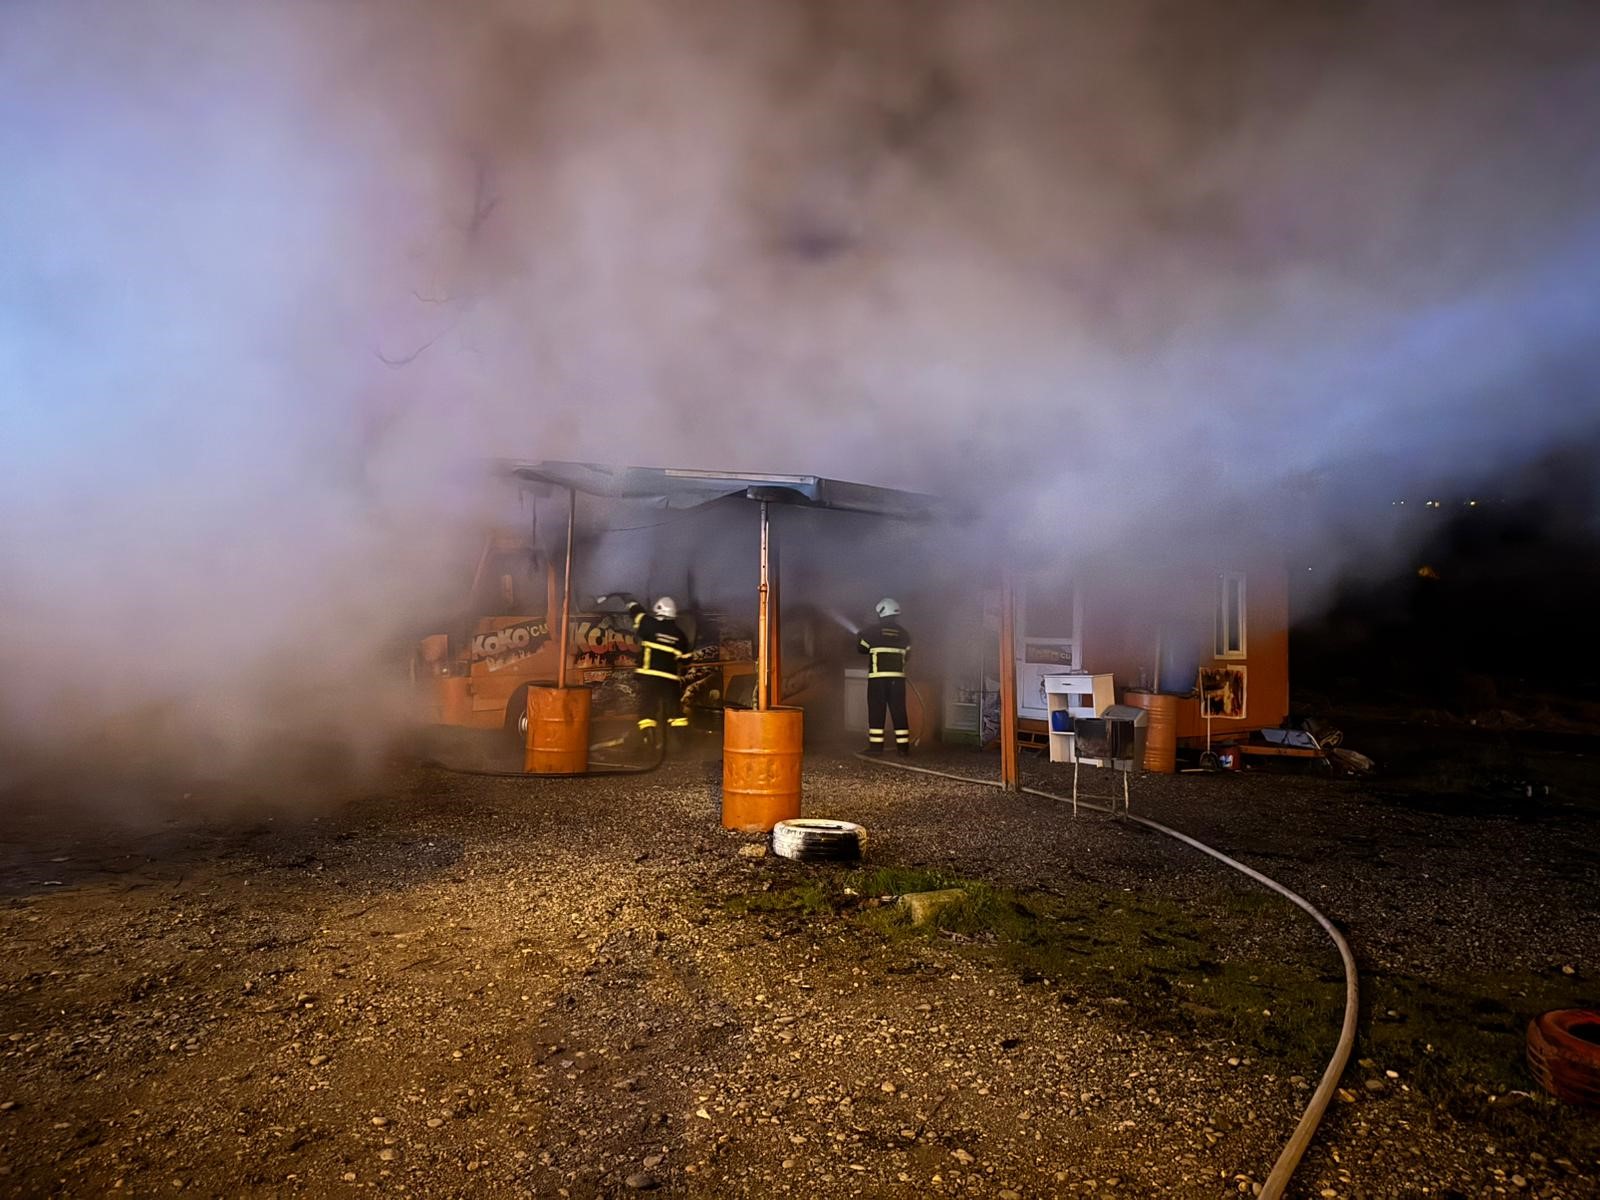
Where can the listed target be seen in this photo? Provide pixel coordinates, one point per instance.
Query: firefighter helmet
(888, 607)
(666, 608)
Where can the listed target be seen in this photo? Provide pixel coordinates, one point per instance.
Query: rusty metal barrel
(761, 753)
(558, 731)
(1161, 729)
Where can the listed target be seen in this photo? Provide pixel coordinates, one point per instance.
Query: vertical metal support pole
(1008, 686)
(763, 635)
(775, 622)
(477, 575)
(566, 594)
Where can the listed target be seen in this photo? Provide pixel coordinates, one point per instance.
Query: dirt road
(451, 985)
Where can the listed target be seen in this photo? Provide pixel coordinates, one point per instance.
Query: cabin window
(1230, 615)
(1048, 620)
(1049, 610)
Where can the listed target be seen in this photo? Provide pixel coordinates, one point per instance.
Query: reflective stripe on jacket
(886, 644)
(662, 645)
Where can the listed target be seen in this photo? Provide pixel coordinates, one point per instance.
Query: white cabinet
(855, 699)
(1071, 696)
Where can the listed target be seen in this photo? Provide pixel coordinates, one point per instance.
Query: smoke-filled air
(276, 279)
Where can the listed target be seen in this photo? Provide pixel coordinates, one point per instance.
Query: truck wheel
(517, 714)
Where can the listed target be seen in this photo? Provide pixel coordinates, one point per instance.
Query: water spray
(842, 621)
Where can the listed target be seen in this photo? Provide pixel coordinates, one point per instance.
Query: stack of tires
(1564, 1054)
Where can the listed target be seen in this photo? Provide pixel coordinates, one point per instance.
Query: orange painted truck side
(483, 684)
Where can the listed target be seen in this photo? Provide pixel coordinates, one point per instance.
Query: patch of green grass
(1445, 1033)
(832, 893)
(898, 881)
(813, 899)
(1145, 959)
(1461, 1042)
(1160, 966)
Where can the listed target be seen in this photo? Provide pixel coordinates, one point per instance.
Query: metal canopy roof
(677, 489)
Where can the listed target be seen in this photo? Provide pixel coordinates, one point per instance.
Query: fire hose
(609, 769)
(1289, 1157)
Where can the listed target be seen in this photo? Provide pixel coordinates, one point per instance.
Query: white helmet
(666, 608)
(888, 607)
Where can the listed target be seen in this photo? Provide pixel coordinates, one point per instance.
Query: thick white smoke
(274, 273)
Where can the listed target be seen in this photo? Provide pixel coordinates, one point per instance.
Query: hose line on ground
(608, 769)
(1289, 1157)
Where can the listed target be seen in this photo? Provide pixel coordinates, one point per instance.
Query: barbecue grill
(1113, 739)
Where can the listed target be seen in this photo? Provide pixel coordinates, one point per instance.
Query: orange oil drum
(558, 731)
(761, 754)
(1161, 729)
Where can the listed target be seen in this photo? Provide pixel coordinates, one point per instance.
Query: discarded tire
(1564, 1054)
(808, 839)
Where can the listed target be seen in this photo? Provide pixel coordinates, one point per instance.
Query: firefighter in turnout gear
(663, 650)
(886, 645)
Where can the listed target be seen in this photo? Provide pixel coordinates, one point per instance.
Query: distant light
(1472, 504)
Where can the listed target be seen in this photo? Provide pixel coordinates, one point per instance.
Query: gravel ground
(455, 985)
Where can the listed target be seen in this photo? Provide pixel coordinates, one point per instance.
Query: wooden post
(564, 638)
(763, 630)
(1008, 686)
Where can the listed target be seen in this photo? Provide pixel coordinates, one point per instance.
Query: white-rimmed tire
(516, 722)
(812, 839)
